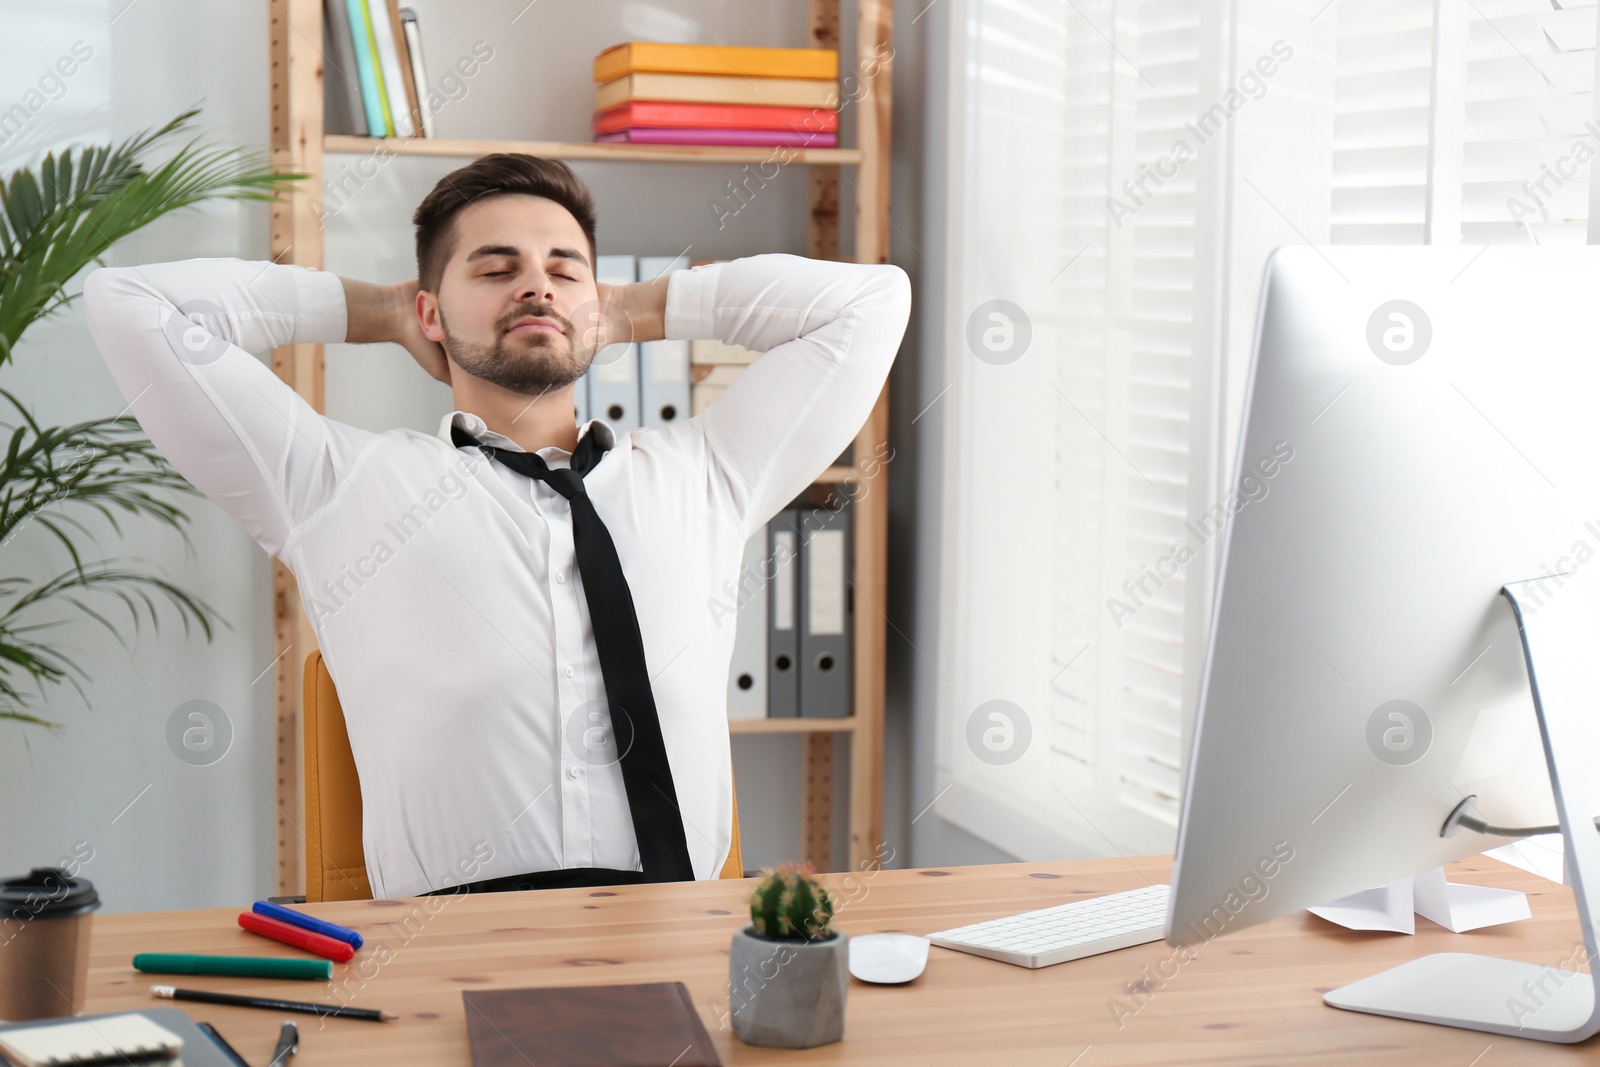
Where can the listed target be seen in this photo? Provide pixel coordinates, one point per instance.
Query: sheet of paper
(1388, 908)
(1459, 908)
(1455, 907)
(1544, 855)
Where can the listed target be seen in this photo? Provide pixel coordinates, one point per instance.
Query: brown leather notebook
(648, 1024)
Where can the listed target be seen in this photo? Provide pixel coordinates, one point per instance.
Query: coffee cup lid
(46, 893)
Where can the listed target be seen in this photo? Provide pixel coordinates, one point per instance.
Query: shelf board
(800, 725)
(345, 144)
(838, 473)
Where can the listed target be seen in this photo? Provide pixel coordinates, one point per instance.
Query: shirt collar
(479, 429)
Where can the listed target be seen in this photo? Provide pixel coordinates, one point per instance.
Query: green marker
(236, 966)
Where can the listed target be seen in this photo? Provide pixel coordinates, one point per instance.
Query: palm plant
(53, 224)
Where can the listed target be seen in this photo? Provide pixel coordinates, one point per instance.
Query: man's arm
(181, 340)
(828, 333)
(389, 313)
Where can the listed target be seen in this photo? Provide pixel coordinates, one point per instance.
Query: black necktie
(652, 800)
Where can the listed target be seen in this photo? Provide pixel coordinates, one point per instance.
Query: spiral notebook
(155, 1036)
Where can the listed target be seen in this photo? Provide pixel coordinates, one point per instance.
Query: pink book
(707, 135)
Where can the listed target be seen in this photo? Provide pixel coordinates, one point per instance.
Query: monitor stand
(1560, 644)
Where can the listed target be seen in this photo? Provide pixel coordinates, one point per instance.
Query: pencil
(271, 1003)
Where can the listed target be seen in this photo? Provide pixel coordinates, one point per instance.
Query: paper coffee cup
(44, 944)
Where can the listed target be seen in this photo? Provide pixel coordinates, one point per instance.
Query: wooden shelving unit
(298, 143)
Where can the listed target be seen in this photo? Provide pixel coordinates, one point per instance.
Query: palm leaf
(43, 664)
(110, 467)
(55, 224)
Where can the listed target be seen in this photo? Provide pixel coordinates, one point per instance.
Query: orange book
(659, 113)
(632, 57)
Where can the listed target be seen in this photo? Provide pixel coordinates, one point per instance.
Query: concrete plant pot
(788, 994)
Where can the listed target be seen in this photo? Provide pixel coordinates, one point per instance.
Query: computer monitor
(1430, 417)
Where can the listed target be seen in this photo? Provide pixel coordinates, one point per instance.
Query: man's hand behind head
(376, 313)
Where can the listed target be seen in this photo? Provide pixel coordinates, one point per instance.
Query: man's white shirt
(442, 586)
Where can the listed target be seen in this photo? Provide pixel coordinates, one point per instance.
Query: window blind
(1070, 166)
(1528, 118)
(1463, 123)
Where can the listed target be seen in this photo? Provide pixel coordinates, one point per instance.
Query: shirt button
(572, 771)
(569, 670)
(561, 576)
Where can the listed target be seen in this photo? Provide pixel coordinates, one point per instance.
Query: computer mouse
(888, 959)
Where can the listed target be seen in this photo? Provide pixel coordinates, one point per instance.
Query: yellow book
(717, 89)
(633, 57)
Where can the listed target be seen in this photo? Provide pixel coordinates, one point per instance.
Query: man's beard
(532, 363)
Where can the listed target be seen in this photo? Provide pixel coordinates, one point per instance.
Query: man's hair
(492, 175)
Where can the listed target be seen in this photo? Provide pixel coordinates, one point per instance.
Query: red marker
(327, 947)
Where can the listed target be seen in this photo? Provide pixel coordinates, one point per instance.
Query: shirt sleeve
(827, 333)
(182, 342)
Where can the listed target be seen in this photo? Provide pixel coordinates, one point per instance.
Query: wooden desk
(1253, 997)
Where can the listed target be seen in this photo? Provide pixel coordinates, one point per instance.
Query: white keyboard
(1065, 932)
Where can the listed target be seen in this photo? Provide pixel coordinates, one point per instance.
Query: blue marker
(307, 922)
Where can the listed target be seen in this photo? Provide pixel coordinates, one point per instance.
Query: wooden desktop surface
(1249, 998)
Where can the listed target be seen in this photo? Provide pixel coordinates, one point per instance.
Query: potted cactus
(788, 971)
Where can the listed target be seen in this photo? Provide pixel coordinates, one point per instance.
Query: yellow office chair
(336, 864)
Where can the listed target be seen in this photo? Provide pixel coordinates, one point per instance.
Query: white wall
(165, 834)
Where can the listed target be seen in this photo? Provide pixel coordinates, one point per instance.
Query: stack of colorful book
(652, 93)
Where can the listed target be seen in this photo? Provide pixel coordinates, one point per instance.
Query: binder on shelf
(397, 69)
(825, 615)
(419, 73)
(400, 94)
(366, 53)
(580, 400)
(664, 382)
(747, 673)
(343, 110)
(663, 365)
(783, 615)
(614, 373)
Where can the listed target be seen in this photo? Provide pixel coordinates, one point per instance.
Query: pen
(308, 922)
(271, 1003)
(222, 1043)
(288, 1044)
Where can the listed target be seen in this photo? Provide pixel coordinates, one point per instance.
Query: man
(452, 581)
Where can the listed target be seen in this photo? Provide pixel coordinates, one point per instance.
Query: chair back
(336, 863)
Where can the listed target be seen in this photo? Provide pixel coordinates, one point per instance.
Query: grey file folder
(614, 373)
(580, 400)
(825, 615)
(783, 603)
(747, 674)
(663, 365)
